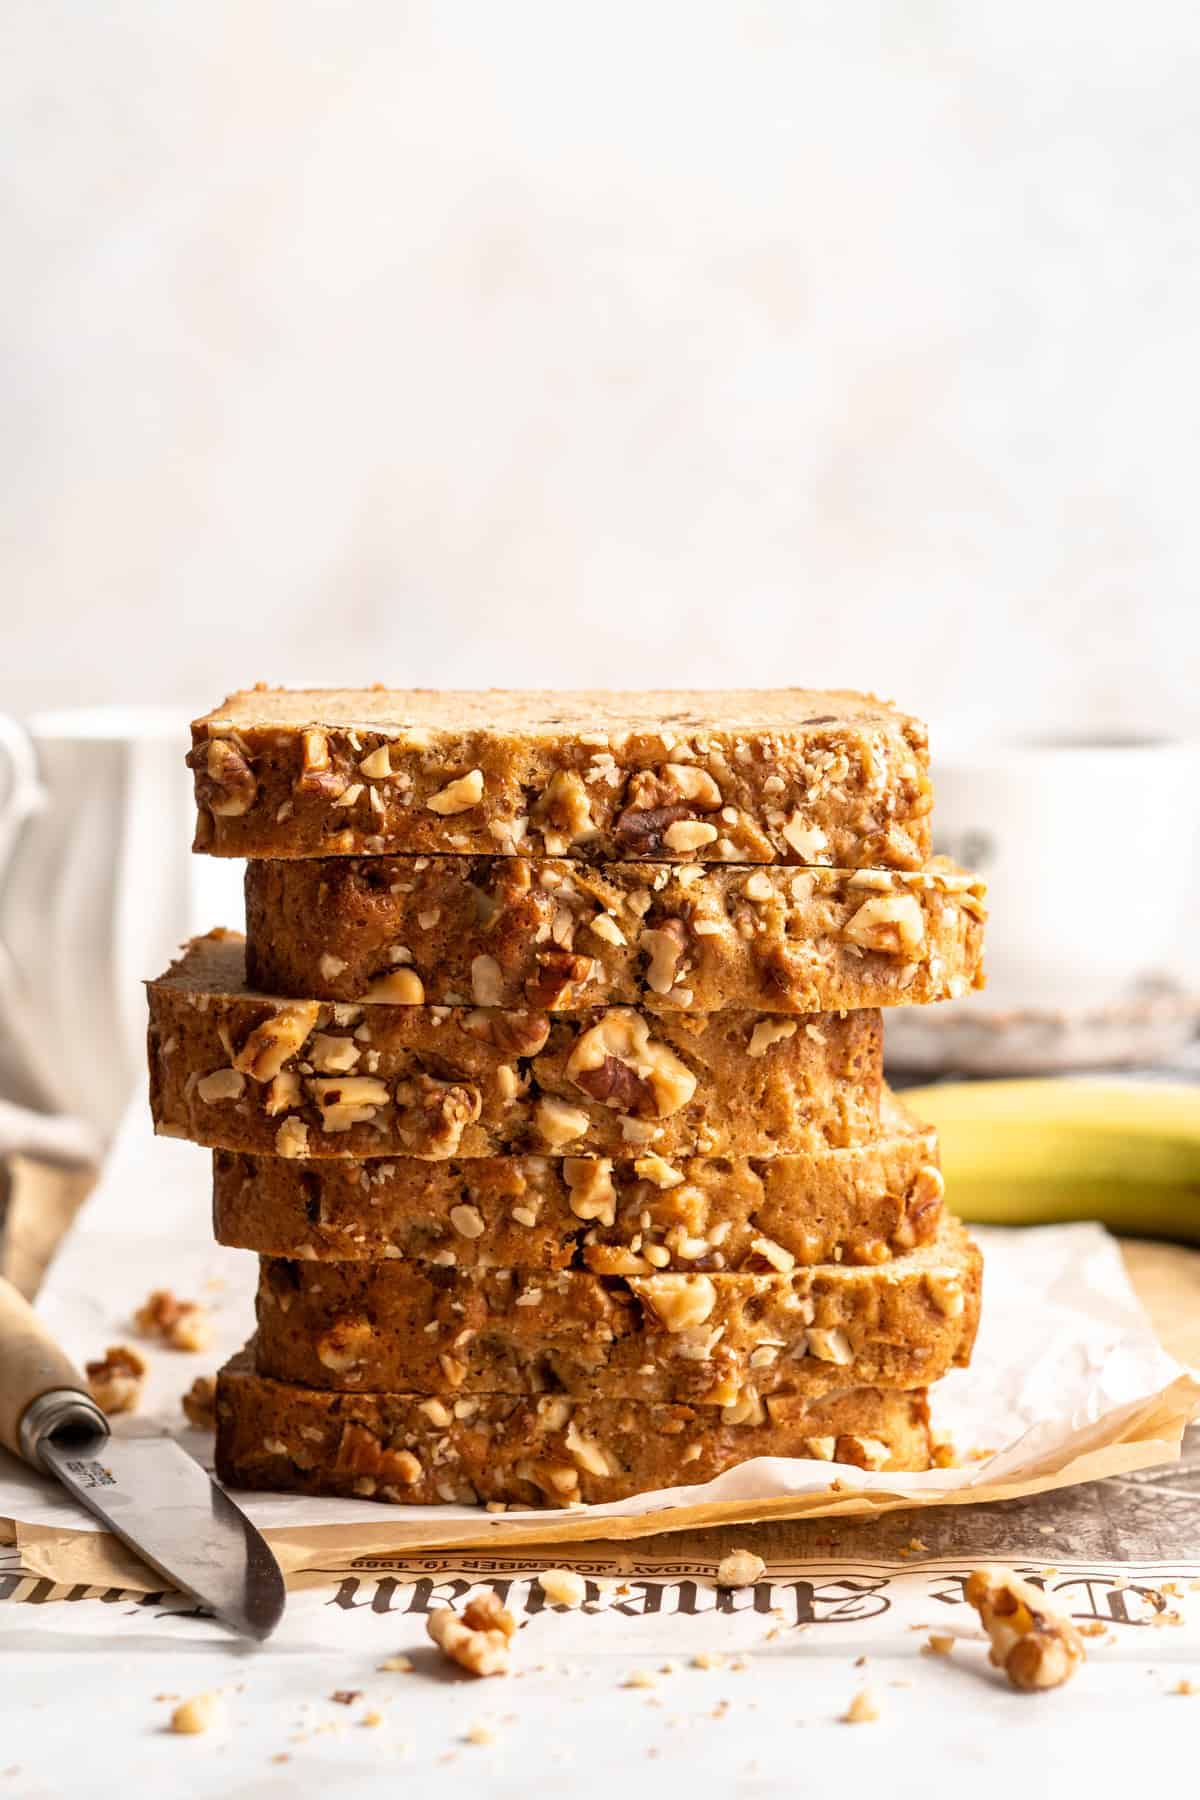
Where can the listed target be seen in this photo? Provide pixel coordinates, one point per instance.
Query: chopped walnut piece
(183, 1324)
(768, 1032)
(377, 766)
(940, 1643)
(563, 813)
(689, 834)
(200, 1403)
(739, 1569)
(115, 1380)
(222, 1084)
(291, 1139)
(563, 1587)
(487, 982)
(332, 1054)
(1034, 1645)
(557, 1122)
(458, 796)
(694, 784)
(808, 841)
(347, 1100)
(591, 1191)
(232, 778)
(664, 947)
(200, 1713)
(478, 1641)
(399, 987)
(680, 1301)
(862, 1710)
(889, 922)
(617, 1061)
(276, 1039)
(830, 1345)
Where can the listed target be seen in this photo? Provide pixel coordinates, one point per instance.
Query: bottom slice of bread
(544, 1450)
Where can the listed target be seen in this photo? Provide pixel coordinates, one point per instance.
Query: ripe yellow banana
(1030, 1152)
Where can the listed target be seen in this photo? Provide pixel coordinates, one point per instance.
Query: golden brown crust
(516, 931)
(858, 1205)
(704, 1339)
(418, 1450)
(243, 1071)
(783, 775)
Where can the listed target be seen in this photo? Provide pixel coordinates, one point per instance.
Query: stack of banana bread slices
(547, 1086)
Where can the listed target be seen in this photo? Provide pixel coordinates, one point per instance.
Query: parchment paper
(1068, 1384)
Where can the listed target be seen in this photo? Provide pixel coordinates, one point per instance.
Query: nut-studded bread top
(239, 1070)
(785, 775)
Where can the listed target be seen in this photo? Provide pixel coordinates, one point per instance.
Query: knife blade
(147, 1490)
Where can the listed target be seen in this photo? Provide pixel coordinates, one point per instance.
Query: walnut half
(617, 1062)
(478, 1641)
(1034, 1645)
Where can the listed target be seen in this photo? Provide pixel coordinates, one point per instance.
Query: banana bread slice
(417, 1450)
(785, 775)
(237, 1070)
(628, 1216)
(518, 931)
(716, 1340)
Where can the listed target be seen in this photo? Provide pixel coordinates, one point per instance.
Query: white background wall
(654, 343)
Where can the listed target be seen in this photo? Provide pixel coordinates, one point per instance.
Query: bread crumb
(200, 1713)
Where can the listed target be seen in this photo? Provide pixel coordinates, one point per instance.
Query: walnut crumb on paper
(862, 1710)
(1185, 1687)
(401, 1665)
(183, 1324)
(480, 1734)
(708, 1659)
(640, 1678)
(741, 1568)
(563, 1587)
(198, 1714)
(345, 1696)
(940, 1644)
(200, 1403)
(1035, 1646)
(478, 1641)
(115, 1379)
